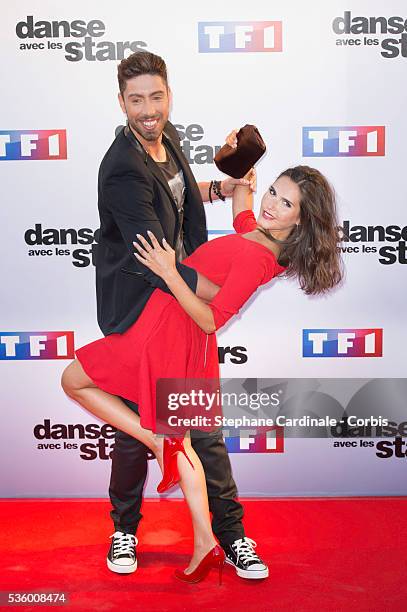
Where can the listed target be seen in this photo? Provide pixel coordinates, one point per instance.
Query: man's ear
(169, 95)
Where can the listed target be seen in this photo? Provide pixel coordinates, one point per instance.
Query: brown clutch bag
(250, 147)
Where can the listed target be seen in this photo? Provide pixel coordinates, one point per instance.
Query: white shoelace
(123, 544)
(244, 549)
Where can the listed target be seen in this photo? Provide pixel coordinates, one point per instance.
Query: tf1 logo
(36, 345)
(32, 144)
(257, 440)
(240, 36)
(342, 342)
(351, 141)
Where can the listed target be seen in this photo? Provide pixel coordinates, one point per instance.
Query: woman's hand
(227, 186)
(249, 180)
(251, 177)
(160, 260)
(231, 139)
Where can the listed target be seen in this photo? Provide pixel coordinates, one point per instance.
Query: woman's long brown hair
(311, 250)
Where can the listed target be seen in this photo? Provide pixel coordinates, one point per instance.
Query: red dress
(165, 342)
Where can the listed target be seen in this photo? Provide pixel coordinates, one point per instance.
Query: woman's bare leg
(110, 408)
(193, 486)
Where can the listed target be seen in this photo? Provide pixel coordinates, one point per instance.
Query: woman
(295, 233)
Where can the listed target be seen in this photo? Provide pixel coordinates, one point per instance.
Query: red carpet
(324, 554)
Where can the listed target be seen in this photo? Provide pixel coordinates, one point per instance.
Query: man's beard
(145, 134)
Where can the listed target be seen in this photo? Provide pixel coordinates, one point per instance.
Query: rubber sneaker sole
(121, 569)
(250, 574)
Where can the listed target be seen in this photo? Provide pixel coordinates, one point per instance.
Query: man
(145, 183)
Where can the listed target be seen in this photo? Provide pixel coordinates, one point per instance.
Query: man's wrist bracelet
(216, 186)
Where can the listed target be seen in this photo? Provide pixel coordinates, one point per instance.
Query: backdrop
(325, 84)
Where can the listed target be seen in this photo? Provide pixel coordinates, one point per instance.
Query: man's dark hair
(138, 63)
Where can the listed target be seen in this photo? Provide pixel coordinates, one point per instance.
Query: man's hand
(160, 260)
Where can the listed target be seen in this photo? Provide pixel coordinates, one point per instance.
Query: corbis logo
(34, 34)
(350, 141)
(32, 144)
(357, 239)
(342, 343)
(75, 437)
(357, 31)
(50, 241)
(240, 36)
(36, 345)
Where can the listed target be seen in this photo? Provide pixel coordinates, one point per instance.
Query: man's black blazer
(133, 197)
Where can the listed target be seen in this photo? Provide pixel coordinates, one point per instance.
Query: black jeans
(129, 472)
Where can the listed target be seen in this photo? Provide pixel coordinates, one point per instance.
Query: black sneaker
(242, 556)
(121, 557)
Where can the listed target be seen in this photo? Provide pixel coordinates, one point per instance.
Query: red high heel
(171, 476)
(214, 558)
